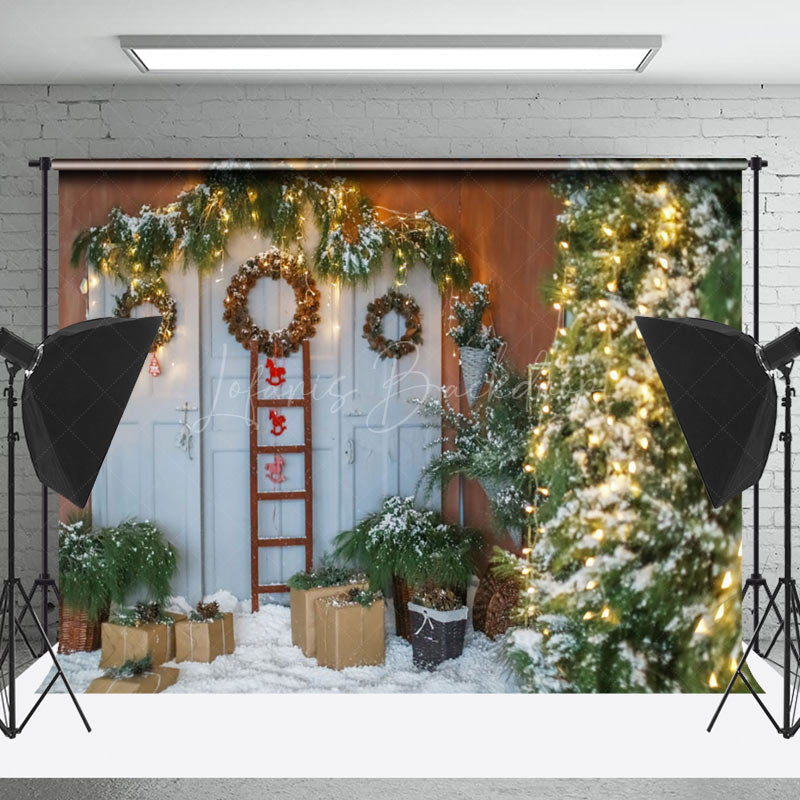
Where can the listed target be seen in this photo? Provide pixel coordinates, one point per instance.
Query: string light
(614, 375)
(712, 681)
(598, 534)
(727, 580)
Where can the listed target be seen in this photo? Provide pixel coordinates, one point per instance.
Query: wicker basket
(437, 635)
(76, 632)
(474, 367)
(500, 608)
(495, 600)
(403, 594)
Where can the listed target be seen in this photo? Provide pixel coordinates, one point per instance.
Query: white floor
(400, 735)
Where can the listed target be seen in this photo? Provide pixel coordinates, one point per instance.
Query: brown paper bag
(121, 643)
(302, 604)
(176, 617)
(204, 641)
(350, 635)
(155, 680)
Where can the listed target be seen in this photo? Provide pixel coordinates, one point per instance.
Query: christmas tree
(631, 577)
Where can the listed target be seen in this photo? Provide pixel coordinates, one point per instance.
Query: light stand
(10, 624)
(791, 602)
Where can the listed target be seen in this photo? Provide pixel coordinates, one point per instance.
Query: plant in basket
(476, 342)
(99, 567)
(438, 623)
(404, 545)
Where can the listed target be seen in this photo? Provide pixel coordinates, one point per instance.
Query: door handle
(350, 451)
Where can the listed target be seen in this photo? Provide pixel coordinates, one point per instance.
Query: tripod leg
(60, 673)
(26, 605)
(737, 673)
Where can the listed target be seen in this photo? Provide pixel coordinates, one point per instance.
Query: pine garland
(197, 228)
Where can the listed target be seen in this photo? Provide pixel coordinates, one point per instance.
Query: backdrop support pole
(44, 583)
(756, 581)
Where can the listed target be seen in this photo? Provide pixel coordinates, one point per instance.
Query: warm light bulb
(557, 306)
(605, 613)
(589, 561)
(528, 468)
(612, 286)
(607, 231)
(720, 612)
(701, 626)
(543, 490)
(614, 375)
(588, 615)
(529, 509)
(632, 467)
(727, 580)
(598, 534)
(594, 439)
(644, 443)
(712, 681)
(591, 585)
(733, 664)
(545, 409)
(602, 326)
(597, 396)
(564, 245)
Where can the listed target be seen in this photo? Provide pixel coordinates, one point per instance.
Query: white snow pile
(265, 661)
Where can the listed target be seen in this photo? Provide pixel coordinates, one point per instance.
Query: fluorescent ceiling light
(379, 54)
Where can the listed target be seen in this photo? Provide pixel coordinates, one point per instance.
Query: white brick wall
(459, 120)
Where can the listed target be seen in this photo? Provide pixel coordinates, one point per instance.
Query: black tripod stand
(10, 623)
(789, 621)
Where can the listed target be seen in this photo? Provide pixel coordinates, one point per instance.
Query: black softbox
(722, 395)
(74, 397)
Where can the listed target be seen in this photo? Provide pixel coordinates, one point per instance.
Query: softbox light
(74, 396)
(723, 397)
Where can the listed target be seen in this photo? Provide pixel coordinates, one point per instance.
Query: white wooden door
(384, 441)
(145, 475)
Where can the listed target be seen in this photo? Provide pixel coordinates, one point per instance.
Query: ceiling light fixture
(390, 54)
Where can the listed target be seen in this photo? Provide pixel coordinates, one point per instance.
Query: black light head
(16, 350)
(781, 351)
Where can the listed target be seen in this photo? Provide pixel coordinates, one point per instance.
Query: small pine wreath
(408, 309)
(156, 293)
(276, 265)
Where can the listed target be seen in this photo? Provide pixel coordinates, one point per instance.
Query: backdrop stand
(756, 581)
(45, 583)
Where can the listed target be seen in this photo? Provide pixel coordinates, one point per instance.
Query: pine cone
(208, 610)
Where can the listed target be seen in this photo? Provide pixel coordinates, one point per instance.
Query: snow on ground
(265, 661)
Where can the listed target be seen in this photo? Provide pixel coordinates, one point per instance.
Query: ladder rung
(300, 541)
(279, 402)
(281, 448)
(280, 495)
(273, 587)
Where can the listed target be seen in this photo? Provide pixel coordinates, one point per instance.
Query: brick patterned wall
(459, 120)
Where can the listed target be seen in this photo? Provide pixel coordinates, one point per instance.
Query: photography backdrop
(569, 257)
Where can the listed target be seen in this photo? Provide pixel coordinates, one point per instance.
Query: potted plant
(405, 546)
(438, 623)
(305, 588)
(98, 567)
(476, 342)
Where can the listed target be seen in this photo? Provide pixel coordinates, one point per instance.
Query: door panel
(146, 476)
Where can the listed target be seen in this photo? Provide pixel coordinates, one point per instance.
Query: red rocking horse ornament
(274, 469)
(276, 374)
(278, 422)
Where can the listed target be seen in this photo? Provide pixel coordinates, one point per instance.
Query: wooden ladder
(256, 497)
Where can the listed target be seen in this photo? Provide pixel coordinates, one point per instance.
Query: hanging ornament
(276, 374)
(274, 469)
(278, 422)
(155, 368)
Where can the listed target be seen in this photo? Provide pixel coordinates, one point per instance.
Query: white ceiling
(705, 41)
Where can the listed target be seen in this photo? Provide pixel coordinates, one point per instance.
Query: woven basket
(494, 602)
(76, 632)
(474, 367)
(437, 636)
(500, 608)
(403, 594)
